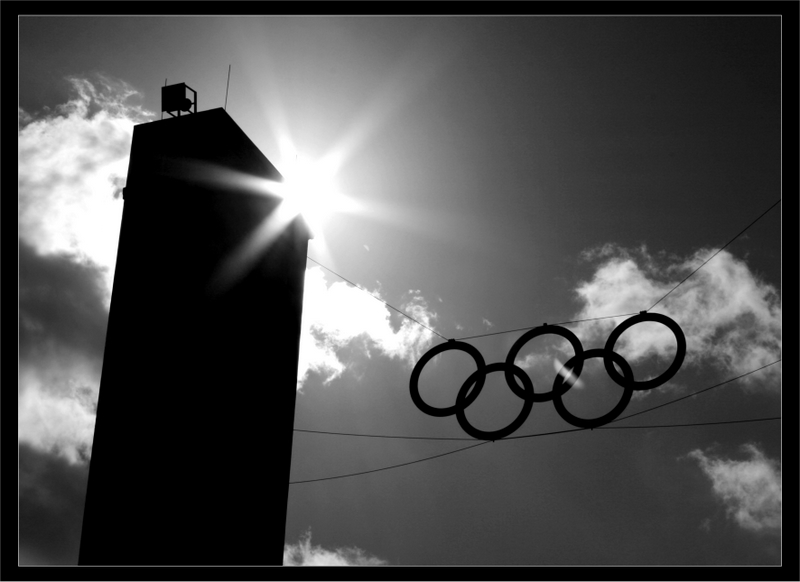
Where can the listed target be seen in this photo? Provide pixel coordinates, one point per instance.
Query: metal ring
(669, 373)
(465, 398)
(467, 393)
(616, 411)
(435, 351)
(545, 329)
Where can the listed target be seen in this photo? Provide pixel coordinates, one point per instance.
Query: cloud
(56, 413)
(340, 316)
(304, 554)
(751, 489)
(62, 307)
(72, 166)
(731, 318)
(532, 360)
(51, 499)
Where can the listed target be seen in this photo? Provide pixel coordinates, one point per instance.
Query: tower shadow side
(192, 447)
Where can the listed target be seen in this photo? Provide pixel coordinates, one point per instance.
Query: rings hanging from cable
(472, 386)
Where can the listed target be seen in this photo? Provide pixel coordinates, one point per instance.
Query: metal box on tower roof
(174, 99)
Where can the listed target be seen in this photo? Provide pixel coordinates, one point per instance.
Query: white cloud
(58, 419)
(305, 554)
(731, 318)
(340, 315)
(532, 360)
(751, 490)
(71, 163)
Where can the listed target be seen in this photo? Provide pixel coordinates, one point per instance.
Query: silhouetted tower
(192, 447)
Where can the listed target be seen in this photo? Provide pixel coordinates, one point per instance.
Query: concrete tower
(192, 446)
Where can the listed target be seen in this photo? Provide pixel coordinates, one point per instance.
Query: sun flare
(310, 190)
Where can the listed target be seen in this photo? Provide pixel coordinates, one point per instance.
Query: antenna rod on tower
(227, 87)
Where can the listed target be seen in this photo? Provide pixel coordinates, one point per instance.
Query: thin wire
(162, 111)
(227, 87)
(386, 436)
(538, 434)
(691, 424)
(522, 437)
(561, 322)
(715, 254)
(552, 432)
(404, 314)
(527, 436)
(383, 436)
(696, 393)
(535, 326)
(630, 314)
(391, 466)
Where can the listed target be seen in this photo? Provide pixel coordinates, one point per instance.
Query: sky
(500, 173)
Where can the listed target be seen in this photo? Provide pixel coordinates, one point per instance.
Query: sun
(310, 189)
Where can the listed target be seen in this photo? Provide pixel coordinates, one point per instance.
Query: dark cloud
(63, 317)
(118, 182)
(62, 307)
(52, 493)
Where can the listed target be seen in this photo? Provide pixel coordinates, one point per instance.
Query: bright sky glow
(309, 189)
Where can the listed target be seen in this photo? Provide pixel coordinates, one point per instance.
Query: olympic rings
(676, 363)
(529, 335)
(480, 376)
(449, 411)
(609, 416)
(473, 385)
